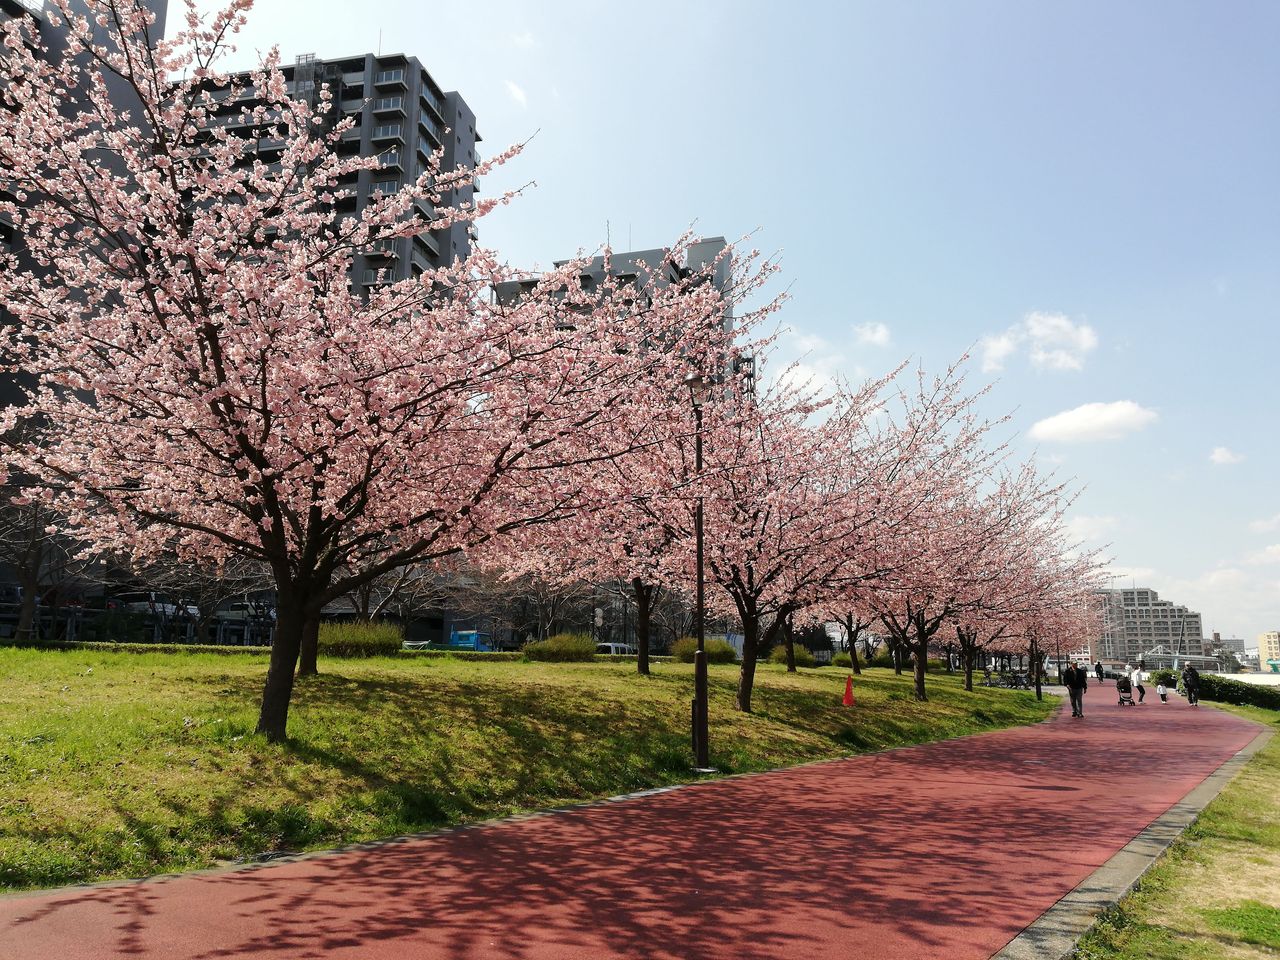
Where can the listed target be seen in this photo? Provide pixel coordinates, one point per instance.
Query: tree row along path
(946, 850)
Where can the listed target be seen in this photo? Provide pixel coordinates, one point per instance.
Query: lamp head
(699, 388)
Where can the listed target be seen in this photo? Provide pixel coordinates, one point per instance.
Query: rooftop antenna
(379, 43)
(608, 237)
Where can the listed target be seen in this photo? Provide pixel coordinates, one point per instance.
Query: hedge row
(718, 651)
(803, 657)
(134, 647)
(1222, 690)
(562, 648)
(345, 638)
(496, 656)
(479, 655)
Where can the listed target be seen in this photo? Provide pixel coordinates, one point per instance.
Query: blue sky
(1084, 194)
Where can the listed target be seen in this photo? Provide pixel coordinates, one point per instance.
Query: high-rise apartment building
(402, 117)
(1136, 621)
(642, 268)
(1269, 647)
(53, 37)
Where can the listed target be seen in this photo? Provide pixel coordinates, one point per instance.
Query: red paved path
(946, 851)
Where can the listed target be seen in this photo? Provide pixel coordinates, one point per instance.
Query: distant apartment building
(1233, 645)
(642, 268)
(54, 39)
(1269, 647)
(402, 117)
(1136, 622)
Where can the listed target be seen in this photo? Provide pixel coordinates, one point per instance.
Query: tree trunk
(851, 633)
(27, 613)
(278, 690)
(644, 598)
(1035, 666)
(747, 675)
(895, 648)
(922, 657)
(309, 649)
(968, 670)
(789, 639)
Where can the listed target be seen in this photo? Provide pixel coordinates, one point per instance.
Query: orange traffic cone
(848, 692)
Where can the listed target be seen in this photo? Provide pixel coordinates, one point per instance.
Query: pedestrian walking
(1076, 678)
(1137, 677)
(1191, 681)
(1163, 692)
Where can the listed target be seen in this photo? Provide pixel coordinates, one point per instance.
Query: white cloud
(1222, 456)
(1052, 340)
(1140, 575)
(1266, 526)
(1235, 601)
(872, 334)
(517, 94)
(526, 39)
(807, 360)
(1083, 527)
(1094, 421)
(996, 350)
(1266, 555)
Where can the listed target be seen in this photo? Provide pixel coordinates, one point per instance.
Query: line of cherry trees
(202, 382)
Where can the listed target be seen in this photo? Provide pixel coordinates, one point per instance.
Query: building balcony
(428, 243)
(390, 78)
(384, 248)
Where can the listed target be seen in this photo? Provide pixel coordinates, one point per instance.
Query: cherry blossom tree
(782, 515)
(213, 384)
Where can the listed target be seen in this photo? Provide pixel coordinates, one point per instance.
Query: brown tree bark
(921, 651)
(278, 690)
(644, 610)
(309, 646)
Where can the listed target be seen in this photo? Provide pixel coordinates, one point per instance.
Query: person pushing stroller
(1124, 690)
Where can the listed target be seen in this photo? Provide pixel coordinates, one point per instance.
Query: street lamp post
(698, 389)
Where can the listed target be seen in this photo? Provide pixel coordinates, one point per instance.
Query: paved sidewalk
(941, 851)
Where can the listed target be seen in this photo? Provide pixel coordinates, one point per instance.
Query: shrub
(718, 651)
(357, 639)
(881, 660)
(562, 648)
(842, 660)
(1234, 691)
(803, 657)
(1167, 677)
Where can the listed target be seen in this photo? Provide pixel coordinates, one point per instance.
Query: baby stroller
(1124, 689)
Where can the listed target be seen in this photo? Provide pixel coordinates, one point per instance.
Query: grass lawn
(124, 765)
(1215, 895)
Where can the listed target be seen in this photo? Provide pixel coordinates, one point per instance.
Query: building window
(385, 187)
(386, 130)
(388, 103)
(388, 76)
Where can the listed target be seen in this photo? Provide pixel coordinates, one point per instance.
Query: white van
(616, 649)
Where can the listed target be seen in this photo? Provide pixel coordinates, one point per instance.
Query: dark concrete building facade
(402, 117)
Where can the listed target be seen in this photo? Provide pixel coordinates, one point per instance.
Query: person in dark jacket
(1076, 678)
(1191, 683)
(1097, 669)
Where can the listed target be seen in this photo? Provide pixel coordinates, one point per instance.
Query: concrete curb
(1055, 934)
